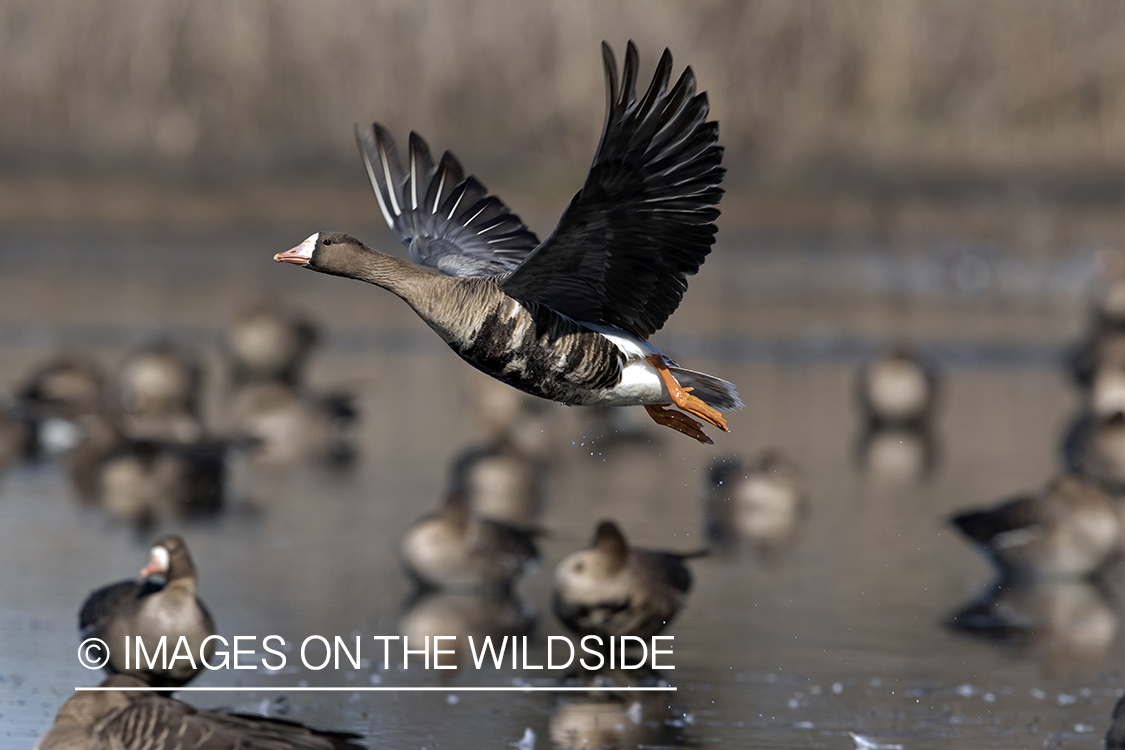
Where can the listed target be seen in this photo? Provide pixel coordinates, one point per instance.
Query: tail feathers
(986, 526)
(716, 393)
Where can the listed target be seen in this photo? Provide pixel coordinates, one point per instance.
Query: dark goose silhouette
(568, 318)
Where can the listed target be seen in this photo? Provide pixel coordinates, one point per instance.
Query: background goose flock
(904, 528)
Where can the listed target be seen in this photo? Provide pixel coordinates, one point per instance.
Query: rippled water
(843, 632)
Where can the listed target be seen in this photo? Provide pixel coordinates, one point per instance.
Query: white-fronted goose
(456, 550)
(897, 389)
(127, 717)
(501, 413)
(761, 503)
(269, 343)
(501, 483)
(611, 589)
(56, 395)
(1070, 529)
(567, 319)
(1094, 446)
(144, 482)
(288, 425)
(148, 610)
(160, 388)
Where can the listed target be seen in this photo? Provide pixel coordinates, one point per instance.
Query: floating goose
(611, 589)
(1070, 529)
(54, 398)
(762, 503)
(456, 550)
(160, 390)
(897, 389)
(567, 319)
(149, 610)
(270, 343)
(128, 717)
(287, 425)
(501, 483)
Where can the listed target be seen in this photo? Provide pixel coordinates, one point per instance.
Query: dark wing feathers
(448, 221)
(106, 602)
(644, 220)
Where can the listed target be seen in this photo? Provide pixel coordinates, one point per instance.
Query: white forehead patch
(312, 239)
(160, 554)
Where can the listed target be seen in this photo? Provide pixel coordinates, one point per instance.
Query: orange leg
(682, 397)
(678, 421)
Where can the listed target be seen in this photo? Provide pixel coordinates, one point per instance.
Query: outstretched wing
(644, 220)
(448, 221)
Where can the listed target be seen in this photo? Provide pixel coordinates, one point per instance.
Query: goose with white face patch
(568, 318)
(152, 610)
(612, 589)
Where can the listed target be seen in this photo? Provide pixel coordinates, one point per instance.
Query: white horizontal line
(362, 689)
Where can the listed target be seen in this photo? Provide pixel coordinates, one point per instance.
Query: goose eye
(326, 241)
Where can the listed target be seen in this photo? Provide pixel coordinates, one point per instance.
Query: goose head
(169, 557)
(600, 562)
(328, 252)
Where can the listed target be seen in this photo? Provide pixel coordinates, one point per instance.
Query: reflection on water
(897, 456)
(1063, 624)
(843, 633)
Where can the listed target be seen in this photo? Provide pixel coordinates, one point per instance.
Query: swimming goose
(762, 503)
(567, 319)
(131, 718)
(1070, 529)
(56, 395)
(288, 425)
(160, 390)
(148, 610)
(897, 389)
(1094, 446)
(456, 550)
(612, 589)
(501, 483)
(269, 343)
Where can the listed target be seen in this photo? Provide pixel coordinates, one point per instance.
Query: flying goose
(568, 318)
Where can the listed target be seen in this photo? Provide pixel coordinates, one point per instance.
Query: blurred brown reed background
(808, 94)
